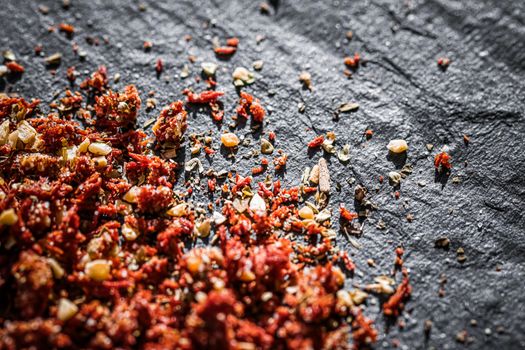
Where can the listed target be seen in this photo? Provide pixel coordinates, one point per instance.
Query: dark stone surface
(401, 92)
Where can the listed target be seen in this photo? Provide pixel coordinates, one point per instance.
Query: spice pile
(100, 248)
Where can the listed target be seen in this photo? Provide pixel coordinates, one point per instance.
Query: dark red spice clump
(250, 106)
(171, 125)
(115, 109)
(98, 242)
(395, 304)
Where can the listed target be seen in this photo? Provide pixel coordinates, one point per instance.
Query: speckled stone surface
(402, 94)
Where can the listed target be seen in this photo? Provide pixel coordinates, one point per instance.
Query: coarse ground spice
(96, 244)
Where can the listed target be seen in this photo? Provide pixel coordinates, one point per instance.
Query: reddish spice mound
(250, 106)
(115, 109)
(96, 243)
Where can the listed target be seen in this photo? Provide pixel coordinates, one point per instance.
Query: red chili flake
(280, 162)
(395, 304)
(442, 161)
(257, 112)
(240, 182)
(248, 105)
(225, 50)
(381, 179)
(209, 150)
(204, 97)
(399, 257)
(316, 142)
(147, 45)
(349, 264)
(210, 82)
(98, 80)
(66, 28)
(352, 62)
(211, 184)
(15, 67)
(363, 331)
(115, 109)
(369, 133)
(347, 215)
(232, 42)
(71, 74)
(217, 113)
(257, 170)
(443, 62)
(264, 191)
(309, 189)
(264, 162)
(397, 194)
(271, 136)
(159, 66)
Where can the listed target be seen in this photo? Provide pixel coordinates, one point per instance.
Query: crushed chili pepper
(442, 161)
(66, 28)
(203, 97)
(352, 62)
(316, 142)
(347, 215)
(250, 106)
(225, 50)
(115, 269)
(395, 304)
(159, 66)
(443, 63)
(15, 67)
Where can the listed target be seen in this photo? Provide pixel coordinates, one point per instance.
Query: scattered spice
(352, 62)
(147, 45)
(15, 67)
(229, 140)
(397, 146)
(443, 63)
(344, 154)
(324, 176)
(54, 59)
(348, 107)
(242, 76)
(442, 162)
(394, 178)
(258, 65)
(209, 68)
(229, 49)
(316, 142)
(159, 66)
(395, 304)
(461, 255)
(68, 29)
(306, 79)
(250, 106)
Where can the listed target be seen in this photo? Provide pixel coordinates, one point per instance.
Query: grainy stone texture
(402, 94)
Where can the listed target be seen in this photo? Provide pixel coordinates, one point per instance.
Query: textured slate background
(401, 93)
